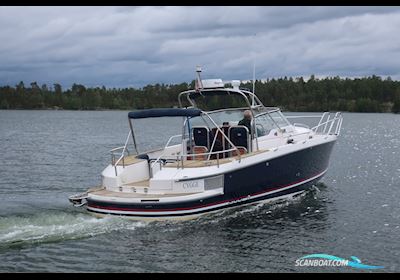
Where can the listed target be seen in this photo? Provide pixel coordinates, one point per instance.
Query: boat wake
(16, 231)
(259, 208)
(60, 225)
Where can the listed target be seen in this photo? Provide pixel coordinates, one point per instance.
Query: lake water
(45, 156)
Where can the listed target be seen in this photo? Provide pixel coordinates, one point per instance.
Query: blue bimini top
(164, 112)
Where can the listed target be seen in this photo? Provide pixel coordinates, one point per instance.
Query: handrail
(122, 157)
(337, 118)
(115, 149)
(221, 131)
(201, 154)
(322, 122)
(267, 112)
(297, 117)
(226, 109)
(166, 145)
(322, 117)
(228, 90)
(124, 148)
(211, 153)
(326, 123)
(271, 109)
(181, 156)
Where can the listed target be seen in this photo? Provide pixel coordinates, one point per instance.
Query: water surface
(48, 155)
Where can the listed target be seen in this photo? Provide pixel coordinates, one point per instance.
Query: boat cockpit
(216, 134)
(213, 134)
(206, 165)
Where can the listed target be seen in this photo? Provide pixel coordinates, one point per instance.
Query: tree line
(368, 94)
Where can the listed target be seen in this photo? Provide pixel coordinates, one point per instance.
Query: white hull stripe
(210, 207)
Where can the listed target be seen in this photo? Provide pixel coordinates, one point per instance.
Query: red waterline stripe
(203, 206)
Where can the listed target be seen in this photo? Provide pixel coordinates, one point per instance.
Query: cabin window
(279, 119)
(264, 124)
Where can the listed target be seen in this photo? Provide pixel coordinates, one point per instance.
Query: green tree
(396, 103)
(57, 89)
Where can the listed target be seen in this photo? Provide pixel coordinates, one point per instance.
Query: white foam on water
(272, 205)
(58, 226)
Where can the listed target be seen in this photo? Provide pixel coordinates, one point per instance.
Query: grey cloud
(121, 46)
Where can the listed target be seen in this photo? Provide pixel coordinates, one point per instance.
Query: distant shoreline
(364, 95)
(62, 109)
(105, 110)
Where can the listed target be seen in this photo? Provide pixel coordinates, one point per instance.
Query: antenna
(254, 78)
(254, 81)
(199, 83)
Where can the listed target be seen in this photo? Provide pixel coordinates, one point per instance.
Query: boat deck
(205, 163)
(198, 163)
(107, 193)
(128, 160)
(131, 159)
(144, 184)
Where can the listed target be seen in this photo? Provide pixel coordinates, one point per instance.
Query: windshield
(264, 124)
(268, 121)
(220, 117)
(279, 119)
(210, 100)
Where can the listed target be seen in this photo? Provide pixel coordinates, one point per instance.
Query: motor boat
(217, 162)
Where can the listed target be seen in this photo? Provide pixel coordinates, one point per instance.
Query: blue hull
(277, 177)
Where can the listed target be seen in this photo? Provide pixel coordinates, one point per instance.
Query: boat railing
(327, 124)
(165, 148)
(124, 151)
(180, 157)
(218, 153)
(302, 117)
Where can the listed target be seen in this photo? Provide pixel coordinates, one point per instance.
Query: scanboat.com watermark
(332, 261)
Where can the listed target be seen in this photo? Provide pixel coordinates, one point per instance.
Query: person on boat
(246, 121)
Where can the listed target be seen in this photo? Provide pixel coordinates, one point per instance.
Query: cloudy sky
(135, 46)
